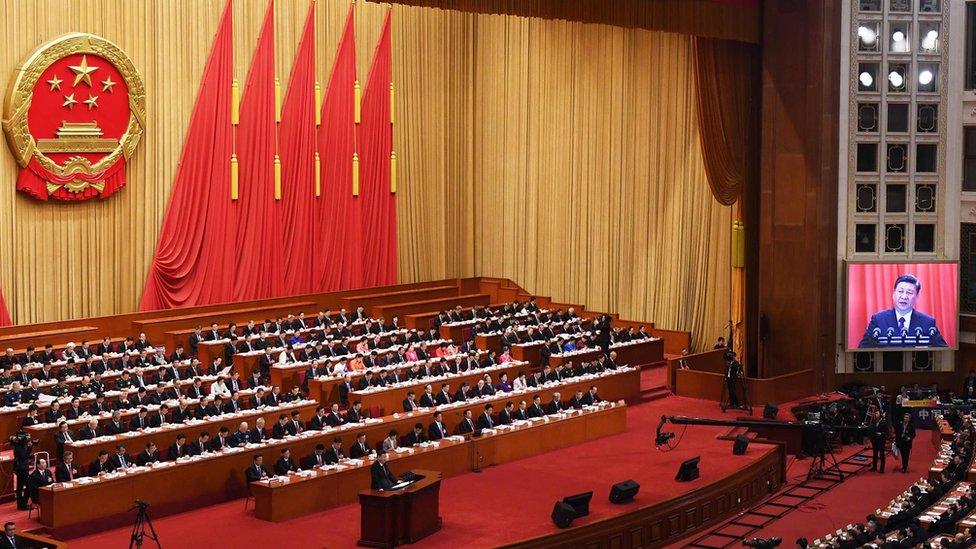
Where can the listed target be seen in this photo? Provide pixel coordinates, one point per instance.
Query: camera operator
(23, 448)
(733, 370)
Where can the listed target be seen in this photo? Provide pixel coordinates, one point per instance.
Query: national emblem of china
(73, 115)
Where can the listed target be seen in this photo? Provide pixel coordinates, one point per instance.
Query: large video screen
(902, 305)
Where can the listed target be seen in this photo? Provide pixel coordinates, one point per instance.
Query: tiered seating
(929, 508)
(217, 476)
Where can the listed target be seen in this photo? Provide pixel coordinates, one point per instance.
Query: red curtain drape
(194, 261)
(258, 261)
(727, 104)
(297, 151)
(4, 313)
(339, 236)
(376, 143)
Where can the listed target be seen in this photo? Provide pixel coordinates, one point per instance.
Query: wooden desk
(371, 301)
(325, 389)
(220, 477)
(640, 353)
(493, 342)
(320, 489)
(427, 305)
(396, 517)
(135, 443)
(390, 399)
(529, 352)
(576, 357)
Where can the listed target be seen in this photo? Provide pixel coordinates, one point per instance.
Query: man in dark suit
(179, 448)
(201, 445)
(120, 460)
(505, 416)
(355, 414)
(467, 423)
(62, 437)
(285, 463)
(316, 458)
(555, 405)
(904, 437)
(66, 471)
(591, 397)
(382, 477)
(576, 402)
(416, 436)
(486, 420)
(360, 448)
(149, 455)
(99, 465)
(40, 478)
(334, 454)
(334, 418)
(902, 325)
(536, 409)
(410, 403)
(437, 429)
(256, 471)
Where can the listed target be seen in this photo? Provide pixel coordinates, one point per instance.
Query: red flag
(194, 257)
(297, 153)
(258, 260)
(339, 261)
(4, 313)
(375, 146)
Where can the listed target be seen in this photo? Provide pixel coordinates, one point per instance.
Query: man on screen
(902, 326)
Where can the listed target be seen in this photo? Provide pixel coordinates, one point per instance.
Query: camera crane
(814, 437)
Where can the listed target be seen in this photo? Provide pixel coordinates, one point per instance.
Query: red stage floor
(503, 504)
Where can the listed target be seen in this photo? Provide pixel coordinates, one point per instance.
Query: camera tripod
(143, 521)
(731, 386)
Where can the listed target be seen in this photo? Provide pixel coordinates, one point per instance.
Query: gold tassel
(277, 100)
(393, 182)
(318, 104)
(355, 174)
(738, 244)
(234, 194)
(392, 102)
(357, 100)
(277, 168)
(235, 103)
(318, 175)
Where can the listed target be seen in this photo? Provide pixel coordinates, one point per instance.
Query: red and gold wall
(560, 154)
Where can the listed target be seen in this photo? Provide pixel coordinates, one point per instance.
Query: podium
(394, 517)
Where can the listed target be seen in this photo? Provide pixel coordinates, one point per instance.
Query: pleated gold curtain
(570, 163)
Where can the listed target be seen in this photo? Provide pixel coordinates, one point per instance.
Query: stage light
(931, 40)
(866, 79)
(925, 77)
(898, 36)
(896, 79)
(867, 35)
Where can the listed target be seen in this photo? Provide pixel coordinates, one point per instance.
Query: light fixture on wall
(925, 77)
(896, 80)
(931, 41)
(867, 35)
(866, 79)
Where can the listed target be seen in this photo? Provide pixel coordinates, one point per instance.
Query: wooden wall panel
(798, 187)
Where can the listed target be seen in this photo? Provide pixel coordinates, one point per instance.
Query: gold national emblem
(73, 115)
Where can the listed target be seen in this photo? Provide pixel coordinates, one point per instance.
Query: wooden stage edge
(665, 522)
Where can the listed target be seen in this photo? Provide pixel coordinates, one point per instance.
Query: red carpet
(475, 506)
